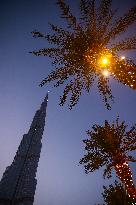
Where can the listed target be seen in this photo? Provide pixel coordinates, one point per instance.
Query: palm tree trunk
(125, 175)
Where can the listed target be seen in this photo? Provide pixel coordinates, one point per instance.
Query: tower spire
(18, 184)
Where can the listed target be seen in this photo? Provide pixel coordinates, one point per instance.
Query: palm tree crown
(110, 146)
(115, 194)
(83, 52)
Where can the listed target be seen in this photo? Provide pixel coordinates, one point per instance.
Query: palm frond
(74, 87)
(59, 74)
(58, 30)
(88, 13)
(89, 80)
(66, 14)
(92, 162)
(107, 171)
(67, 90)
(126, 44)
(46, 52)
(84, 8)
(105, 91)
(131, 159)
(104, 10)
(104, 25)
(122, 24)
(52, 39)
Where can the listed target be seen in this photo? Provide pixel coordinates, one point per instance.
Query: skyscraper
(18, 184)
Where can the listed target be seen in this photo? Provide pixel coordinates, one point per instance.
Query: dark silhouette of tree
(116, 195)
(81, 52)
(110, 146)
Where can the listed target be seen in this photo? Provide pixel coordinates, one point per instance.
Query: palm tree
(115, 194)
(110, 146)
(83, 52)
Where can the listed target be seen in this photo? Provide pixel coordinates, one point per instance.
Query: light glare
(122, 57)
(105, 61)
(105, 73)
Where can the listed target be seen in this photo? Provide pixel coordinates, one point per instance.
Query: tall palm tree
(110, 146)
(83, 52)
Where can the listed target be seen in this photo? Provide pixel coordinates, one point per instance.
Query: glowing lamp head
(104, 61)
(122, 57)
(105, 73)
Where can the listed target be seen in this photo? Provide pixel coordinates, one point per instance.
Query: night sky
(61, 180)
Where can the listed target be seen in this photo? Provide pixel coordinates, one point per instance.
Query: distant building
(18, 184)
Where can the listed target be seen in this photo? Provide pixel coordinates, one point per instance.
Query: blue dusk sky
(61, 180)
